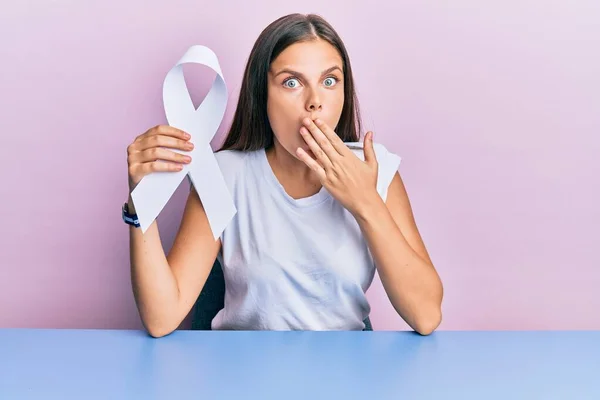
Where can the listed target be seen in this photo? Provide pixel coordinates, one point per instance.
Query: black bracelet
(130, 219)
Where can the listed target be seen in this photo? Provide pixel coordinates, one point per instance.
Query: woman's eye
(291, 83)
(330, 81)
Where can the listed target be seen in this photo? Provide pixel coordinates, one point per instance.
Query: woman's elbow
(158, 331)
(427, 323)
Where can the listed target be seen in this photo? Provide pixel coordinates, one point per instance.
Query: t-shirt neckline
(321, 196)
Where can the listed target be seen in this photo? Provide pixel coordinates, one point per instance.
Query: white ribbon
(154, 190)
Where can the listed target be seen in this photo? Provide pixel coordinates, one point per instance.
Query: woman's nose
(314, 105)
(313, 102)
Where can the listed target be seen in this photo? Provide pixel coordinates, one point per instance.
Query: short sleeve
(388, 161)
(388, 166)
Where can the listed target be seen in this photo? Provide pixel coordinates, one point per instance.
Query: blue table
(113, 364)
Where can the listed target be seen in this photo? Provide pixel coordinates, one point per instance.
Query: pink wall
(495, 110)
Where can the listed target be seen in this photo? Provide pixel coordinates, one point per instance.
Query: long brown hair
(250, 128)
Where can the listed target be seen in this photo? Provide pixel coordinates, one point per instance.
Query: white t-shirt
(292, 264)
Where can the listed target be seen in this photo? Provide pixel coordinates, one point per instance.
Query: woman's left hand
(350, 180)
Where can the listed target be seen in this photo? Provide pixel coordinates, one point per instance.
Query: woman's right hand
(149, 153)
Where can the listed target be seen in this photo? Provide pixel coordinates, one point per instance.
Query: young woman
(318, 212)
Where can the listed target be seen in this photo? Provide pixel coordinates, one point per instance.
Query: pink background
(494, 108)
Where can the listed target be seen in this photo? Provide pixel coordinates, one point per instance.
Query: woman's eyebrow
(291, 71)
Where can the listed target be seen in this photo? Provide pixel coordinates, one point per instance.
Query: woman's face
(305, 80)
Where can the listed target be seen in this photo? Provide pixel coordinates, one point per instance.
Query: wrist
(130, 205)
(369, 209)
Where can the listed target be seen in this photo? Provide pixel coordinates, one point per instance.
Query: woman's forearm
(411, 283)
(153, 283)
